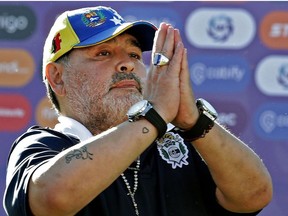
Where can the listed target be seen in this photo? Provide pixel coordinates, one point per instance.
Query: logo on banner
(17, 22)
(220, 73)
(15, 112)
(17, 67)
(172, 149)
(220, 28)
(271, 121)
(273, 30)
(271, 75)
(283, 75)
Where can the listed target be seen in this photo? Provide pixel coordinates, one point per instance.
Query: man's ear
(54, 75)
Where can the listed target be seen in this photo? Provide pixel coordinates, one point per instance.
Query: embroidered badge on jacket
(172, 149)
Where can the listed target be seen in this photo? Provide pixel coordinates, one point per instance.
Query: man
(97, 162)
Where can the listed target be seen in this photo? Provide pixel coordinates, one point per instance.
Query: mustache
(117, 77)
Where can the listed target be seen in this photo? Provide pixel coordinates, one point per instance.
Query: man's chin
(126, 92)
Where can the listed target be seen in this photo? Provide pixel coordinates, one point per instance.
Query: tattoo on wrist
(81, 153)
(145, 130)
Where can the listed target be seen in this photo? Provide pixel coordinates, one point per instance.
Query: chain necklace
(130, 193)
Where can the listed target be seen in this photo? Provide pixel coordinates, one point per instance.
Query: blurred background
(238, 56)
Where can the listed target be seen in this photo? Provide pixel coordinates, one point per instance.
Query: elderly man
(112, 153)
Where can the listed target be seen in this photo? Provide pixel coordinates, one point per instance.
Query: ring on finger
(160, 60)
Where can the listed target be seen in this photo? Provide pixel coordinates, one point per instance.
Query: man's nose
(126, 65)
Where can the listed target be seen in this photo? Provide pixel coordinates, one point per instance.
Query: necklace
(130, 192)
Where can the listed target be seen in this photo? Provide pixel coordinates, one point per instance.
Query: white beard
(100, 108)
(99, 114)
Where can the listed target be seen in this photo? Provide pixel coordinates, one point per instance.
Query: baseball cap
(91, 26)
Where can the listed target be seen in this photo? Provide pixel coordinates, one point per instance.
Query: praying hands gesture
(230, 161)
(168, 85)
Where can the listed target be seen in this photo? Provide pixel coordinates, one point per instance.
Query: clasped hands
(168, 85)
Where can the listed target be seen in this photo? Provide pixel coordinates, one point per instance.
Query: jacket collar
(72, 127)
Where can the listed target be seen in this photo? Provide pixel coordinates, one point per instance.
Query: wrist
(204, 123)
(144, 109)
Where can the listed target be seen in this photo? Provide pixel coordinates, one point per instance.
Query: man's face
(104, 80)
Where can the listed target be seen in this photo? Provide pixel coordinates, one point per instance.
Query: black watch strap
(154, 118)
(204, 123)
(202, 126)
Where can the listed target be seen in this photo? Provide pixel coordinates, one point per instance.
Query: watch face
(137, 108)
(207, 108)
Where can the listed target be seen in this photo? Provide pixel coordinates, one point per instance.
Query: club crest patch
(172, 149)
(93, 18)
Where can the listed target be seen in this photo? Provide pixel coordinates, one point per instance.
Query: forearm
(67, 183)
(238, 172)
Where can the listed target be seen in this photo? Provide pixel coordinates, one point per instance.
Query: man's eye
(104, 53)
(135, 55)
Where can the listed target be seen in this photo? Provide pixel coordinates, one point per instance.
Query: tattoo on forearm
(145, 130)
(81, 153)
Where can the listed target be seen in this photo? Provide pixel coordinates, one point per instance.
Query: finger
(168, 46)
(177, 36)
(151, 81)
(186, 88)
(184, 67)
(162, 55)
(160, 37)
(175, 64)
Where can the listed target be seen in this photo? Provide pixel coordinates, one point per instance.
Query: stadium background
(238, 61)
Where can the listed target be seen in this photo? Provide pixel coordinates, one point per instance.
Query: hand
(162, 86)
(187, 112)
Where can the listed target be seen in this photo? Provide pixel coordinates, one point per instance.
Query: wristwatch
(207, 117)
(145, 109)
